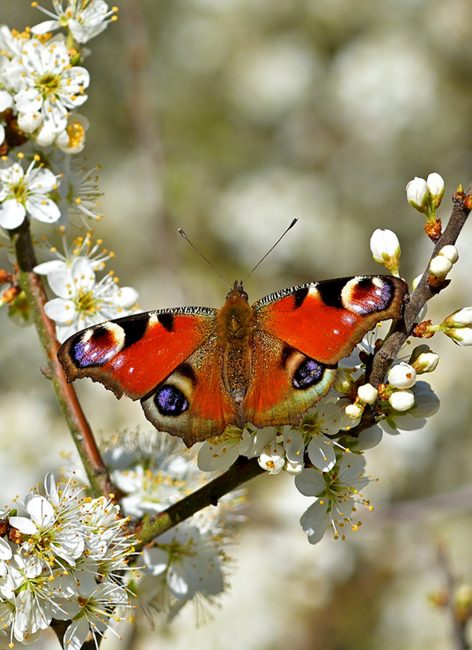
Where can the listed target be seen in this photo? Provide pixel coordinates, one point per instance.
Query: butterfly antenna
(272, 247)
(183, 234)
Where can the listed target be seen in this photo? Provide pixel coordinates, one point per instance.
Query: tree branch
(32, 285)
(149, 527)
(423, 292)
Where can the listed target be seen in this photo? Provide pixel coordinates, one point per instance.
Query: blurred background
(229, 118)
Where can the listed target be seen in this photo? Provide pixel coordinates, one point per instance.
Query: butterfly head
(237, 293)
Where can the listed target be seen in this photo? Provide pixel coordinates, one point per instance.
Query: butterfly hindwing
(284, 383)
(192, 402)
(132, 355)
(325, 320)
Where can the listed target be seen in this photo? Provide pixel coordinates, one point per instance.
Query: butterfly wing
(131, 355)
(169, 359)
(304, 332)
(192, 402)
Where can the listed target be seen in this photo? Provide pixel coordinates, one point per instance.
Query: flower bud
(402, 400)
(272, 458)
(417, 194)
(402, 375)
(458, 326)
(367, 393)
(450, 253)
(460, 318)
(353, 411)
(440, 266)
(344, 382)
(385, 249)
(435, 185)
(426, 362)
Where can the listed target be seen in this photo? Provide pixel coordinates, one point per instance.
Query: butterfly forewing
(325, 320)
(132, 355)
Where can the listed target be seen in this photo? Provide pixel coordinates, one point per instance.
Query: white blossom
(66, 562)
(435, 185)
(417, 194)
(82, 300)
(450, 252)
(85, 20)
(190, 561)
(367, 393)
(426, 404)
(48, 86)
(337, 495)
(402, 400)
(440, 266)
(426, 362)
(26, 193)
(458, 326)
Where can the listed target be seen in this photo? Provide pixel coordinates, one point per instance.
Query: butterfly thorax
(235, 325)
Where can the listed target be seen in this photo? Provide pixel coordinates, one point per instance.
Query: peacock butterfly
(197, 369)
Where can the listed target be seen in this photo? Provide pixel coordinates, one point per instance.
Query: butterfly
(197, 370)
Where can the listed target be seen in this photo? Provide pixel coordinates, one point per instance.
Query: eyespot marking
(308, 373)
(367, 295)
(170, 401)
(98, 345)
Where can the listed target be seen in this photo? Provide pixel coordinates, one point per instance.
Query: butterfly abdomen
(235, 323)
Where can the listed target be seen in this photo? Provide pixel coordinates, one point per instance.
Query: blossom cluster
(62, 558)
(190, 561)
(81, 299)
(41, 86)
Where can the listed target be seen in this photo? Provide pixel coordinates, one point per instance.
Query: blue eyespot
(169, 400)
(308, 373)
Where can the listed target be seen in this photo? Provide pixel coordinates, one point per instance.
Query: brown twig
(149, 527)
(32, 285)
(388, 352)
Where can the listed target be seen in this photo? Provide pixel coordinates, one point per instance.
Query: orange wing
(169, 359)
(325, 320)
(301, 334)
(192, 402)
(132, 355)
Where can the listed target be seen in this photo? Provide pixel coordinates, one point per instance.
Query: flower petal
(12, 214)
(40, 511)
(60, 310)
(315, 521)
(321, 453)
(43, 209)
(310, 482)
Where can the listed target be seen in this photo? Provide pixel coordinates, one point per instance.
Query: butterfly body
(197, 370)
